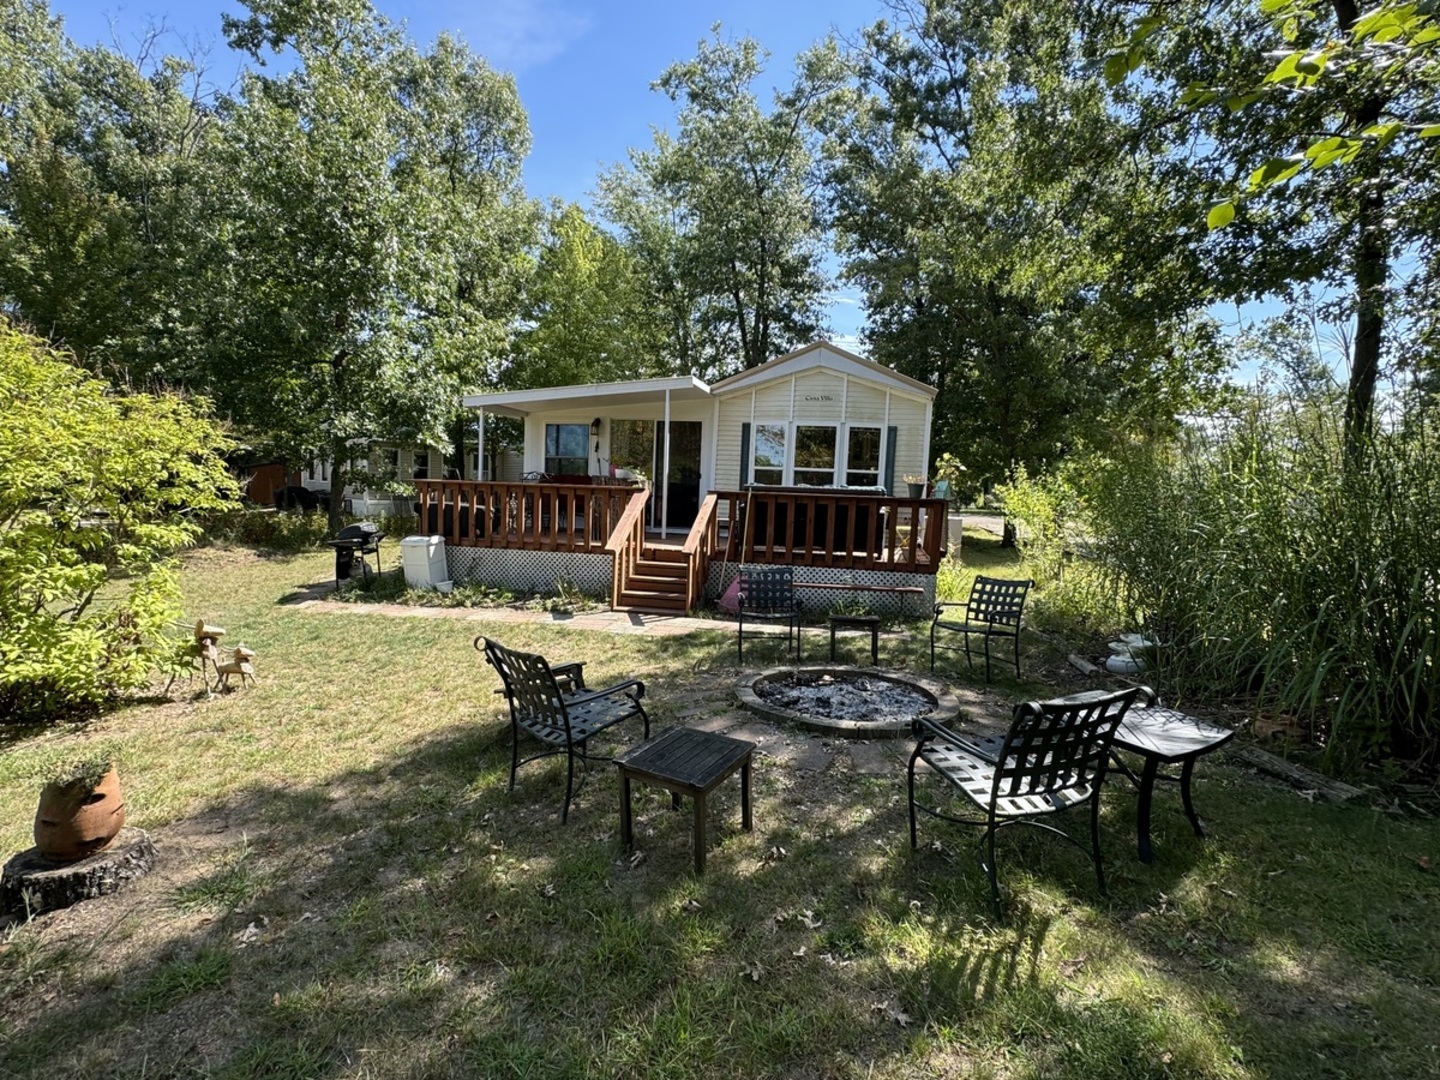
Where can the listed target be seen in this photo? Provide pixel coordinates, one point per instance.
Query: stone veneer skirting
(530, 571)
(880, 603)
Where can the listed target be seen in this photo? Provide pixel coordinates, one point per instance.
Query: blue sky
(583, 68)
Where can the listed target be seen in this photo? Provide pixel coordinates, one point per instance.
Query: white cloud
(518, 34)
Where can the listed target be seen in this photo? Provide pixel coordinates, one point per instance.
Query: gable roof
(822, 354)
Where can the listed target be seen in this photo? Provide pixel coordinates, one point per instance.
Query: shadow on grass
(415, 918)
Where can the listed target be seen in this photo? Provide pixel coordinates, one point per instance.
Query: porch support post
(480, 444)
(665, 475)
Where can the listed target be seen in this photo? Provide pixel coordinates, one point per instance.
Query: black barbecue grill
(356, 541)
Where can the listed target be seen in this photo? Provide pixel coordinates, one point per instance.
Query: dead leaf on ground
(893, 1012)
(752, 970)
(1425, 862)
(811, 920)
(1071, 967)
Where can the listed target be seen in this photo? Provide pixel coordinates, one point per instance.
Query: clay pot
(75, 820)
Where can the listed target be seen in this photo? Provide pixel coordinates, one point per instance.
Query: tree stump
(31, 883)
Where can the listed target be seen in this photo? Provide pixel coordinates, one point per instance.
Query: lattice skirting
(879, 603)
(530, 571)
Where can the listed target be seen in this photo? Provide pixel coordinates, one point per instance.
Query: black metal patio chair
(994, 609)
(1053, 757)
(554, 705)
(768, 595)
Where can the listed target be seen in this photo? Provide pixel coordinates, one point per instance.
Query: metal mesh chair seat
(975, 777)
(1053, 758)
(554, 706)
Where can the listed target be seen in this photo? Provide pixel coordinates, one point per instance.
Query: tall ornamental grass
(1270, 569)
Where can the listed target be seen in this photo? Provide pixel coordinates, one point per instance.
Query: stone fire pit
(846, 701)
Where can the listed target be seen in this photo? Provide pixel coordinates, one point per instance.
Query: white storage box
(423, 558)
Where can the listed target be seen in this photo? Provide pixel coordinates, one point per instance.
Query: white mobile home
(665, 473)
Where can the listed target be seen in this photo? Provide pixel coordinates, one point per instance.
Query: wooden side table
(685, 761)
(858, 622)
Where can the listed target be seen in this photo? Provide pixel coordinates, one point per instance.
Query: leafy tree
(98, 194)
(722, 217)
(371, 258)
(1307, 124)
(1011, 252)
(585, 318)
(96, 490)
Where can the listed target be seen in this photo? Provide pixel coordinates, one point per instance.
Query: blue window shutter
(744, 454)
(890, 460)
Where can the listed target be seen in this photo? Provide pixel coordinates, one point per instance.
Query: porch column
(480, 444)
(665, 475)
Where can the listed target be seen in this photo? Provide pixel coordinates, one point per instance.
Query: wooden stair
(657, 585)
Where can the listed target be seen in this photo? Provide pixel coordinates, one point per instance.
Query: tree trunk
(339, 470)
(1371, 271)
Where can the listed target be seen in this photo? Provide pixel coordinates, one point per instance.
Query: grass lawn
(348, 889)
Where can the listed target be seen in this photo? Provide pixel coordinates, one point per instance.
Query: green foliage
(1305, 127)
(99, 191)
(1016, 252)
(177, 979)
(97, 489)
(397, 173)
(722, 218)
(1267, 569)
(269, 529)
(1042, 508)
(585, 312)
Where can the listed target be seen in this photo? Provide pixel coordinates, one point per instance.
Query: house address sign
(819, 397)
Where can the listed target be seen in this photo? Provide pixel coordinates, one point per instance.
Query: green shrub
(272, 530)
(1270, 568)
(97, 490)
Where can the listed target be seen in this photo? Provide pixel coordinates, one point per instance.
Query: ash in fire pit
(861, 698)
(846, 701)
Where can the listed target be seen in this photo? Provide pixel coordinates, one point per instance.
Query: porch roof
(520, 403)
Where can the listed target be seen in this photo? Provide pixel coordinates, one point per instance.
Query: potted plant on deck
(916, 484)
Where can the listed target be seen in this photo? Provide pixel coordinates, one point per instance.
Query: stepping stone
(880, 759)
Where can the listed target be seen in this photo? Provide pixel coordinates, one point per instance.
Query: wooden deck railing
(627, 543)
(702, 543)
(527, 516)
(834, 528)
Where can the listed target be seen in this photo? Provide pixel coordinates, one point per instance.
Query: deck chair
(994, 610)
(1053, 757)
(768, 595)
(554, 705)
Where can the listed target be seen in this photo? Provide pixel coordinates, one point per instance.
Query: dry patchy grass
(349, 889)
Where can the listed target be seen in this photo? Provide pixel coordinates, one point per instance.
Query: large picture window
(769, 460)
(567, 449)
(817, 455)
(862, 457)
(814, 455)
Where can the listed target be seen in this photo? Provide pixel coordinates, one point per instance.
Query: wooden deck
(801, 527)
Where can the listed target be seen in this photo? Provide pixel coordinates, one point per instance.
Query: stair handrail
(701, 543)
(627, 543)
